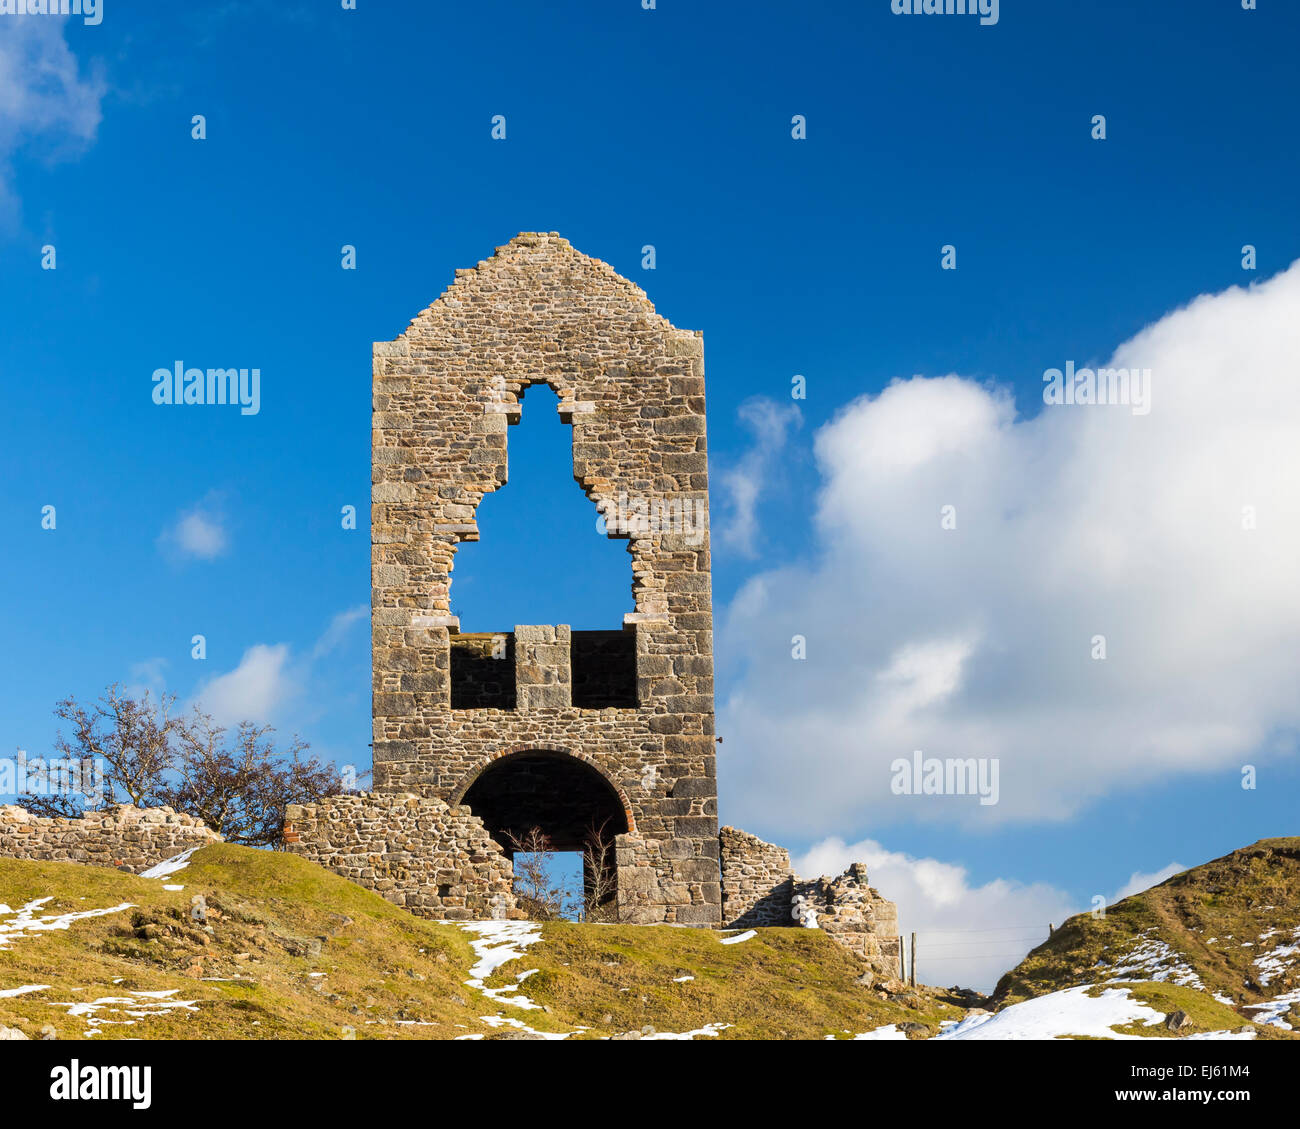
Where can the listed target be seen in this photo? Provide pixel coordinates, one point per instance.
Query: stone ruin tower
(537, 725)
(480, 738)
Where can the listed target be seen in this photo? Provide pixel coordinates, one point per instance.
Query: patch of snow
(745, 936)
(173, 887)
(10, 993)
(709, 1030)
(1069, 1012)
(1152, 959)
(519, 1025)
(25, 922)
(138, 1005)
(169, 866)
(500, 942)
(1270, 1012)
(1275, 962)
(682, 979)
(890, 1031)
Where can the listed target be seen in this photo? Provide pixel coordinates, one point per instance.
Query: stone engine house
(480, 738)
(537, 725)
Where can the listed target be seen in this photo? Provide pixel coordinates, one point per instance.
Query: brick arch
(457, 795)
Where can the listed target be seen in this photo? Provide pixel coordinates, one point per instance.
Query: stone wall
(673, 882)
(857, 917)
(632, 387)
(757, 881)
(759, 887)
(120, 836)
(420, 854)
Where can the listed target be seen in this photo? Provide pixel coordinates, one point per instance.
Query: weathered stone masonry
(418, 853)
(632, 387)
(759, 887)
(120, 836)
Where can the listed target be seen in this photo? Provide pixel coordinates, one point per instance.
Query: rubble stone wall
(434, 860)
(757, 881)
(759, 886)
(121, 836)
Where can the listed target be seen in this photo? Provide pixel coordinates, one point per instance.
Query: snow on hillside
(1069, 1012)
(24, 921)
(1152, 959)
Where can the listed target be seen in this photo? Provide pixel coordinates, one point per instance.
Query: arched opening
(544, 802)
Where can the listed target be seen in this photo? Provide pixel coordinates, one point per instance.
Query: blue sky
(625, 127)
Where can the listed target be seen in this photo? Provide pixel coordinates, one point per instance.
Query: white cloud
(1083, 521)
(338, 629)
(743, 484)
(1138, 881)
(199, 532)
(46, 102)
(256, 690)
(967, 935)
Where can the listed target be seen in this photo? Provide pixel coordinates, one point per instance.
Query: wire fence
(947, 946)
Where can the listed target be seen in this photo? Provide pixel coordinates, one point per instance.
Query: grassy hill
(1220, 942)
(285, 949)
(289, 950)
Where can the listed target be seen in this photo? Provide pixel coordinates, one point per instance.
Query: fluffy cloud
(199, 533)
(46, 102)
(1082, 521)
(256, 690)
(967, 935)
(272, 679)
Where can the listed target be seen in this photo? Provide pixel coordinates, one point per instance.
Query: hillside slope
(286, 949)
(1216, 941)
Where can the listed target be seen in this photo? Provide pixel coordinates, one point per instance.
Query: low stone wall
(757, 881)
(673, 882)
(759, 887)
(434, 860)
(121, 836)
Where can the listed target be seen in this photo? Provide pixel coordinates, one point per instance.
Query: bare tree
(540, 892)
(599, 875)
(130, 739)
(240, 788)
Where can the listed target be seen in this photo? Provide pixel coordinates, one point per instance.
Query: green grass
(780, 984)
(274, 919)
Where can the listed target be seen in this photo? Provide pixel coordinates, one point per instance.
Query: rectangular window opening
(483, 671)
(603, 665)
